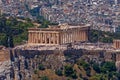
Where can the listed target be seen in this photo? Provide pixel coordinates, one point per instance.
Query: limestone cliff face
(6, 71)
(24, 62)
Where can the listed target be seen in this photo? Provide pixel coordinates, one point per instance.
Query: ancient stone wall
(24, 62)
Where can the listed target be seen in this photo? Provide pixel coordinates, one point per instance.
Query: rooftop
(60, 27)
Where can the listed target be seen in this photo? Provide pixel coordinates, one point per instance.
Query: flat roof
(60, 27)
(79, 26)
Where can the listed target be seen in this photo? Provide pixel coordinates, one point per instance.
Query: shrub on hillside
(41, 67)
(96, 67)
(59, 72)
(70, 72)
(44, 78)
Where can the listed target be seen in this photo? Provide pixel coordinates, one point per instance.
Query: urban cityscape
(59, 39)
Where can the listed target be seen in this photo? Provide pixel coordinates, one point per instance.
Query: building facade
(57, 35)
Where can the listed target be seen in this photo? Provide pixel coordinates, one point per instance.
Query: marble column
(68, 38)
(85, 35)
(119, 44)
(49, 34)
(33, 37)
(65, 37)
(29, 38)
(51, 38)
(71, 37)
(36, 37)
(116, 44)
(42, 37)
(82, 36)
(57, 38)
(39, 37)
(62, 39)
(54, 38)
(77, 34)
(45, 38)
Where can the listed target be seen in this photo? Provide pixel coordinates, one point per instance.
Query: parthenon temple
(58, 34)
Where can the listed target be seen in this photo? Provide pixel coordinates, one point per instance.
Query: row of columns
(73, 35)
(43, 38)
(68, 36)
(116, 44)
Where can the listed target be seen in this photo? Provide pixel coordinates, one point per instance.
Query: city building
(57, 35)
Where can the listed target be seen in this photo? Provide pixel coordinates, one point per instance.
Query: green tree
(41, 67)
(70, 72)
(96, 67)
(59, 72)
(44, 78)
(108, 67)
(45, 24)
(118, 76)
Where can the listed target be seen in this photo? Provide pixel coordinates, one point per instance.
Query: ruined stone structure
(116, 44)
(56, 35)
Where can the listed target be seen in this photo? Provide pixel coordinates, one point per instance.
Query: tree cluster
(12, 31)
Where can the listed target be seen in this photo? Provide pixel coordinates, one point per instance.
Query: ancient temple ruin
(116, 43)
(58, 34)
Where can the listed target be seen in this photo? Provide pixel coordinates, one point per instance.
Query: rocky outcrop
(6, 70)
(22, 63)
